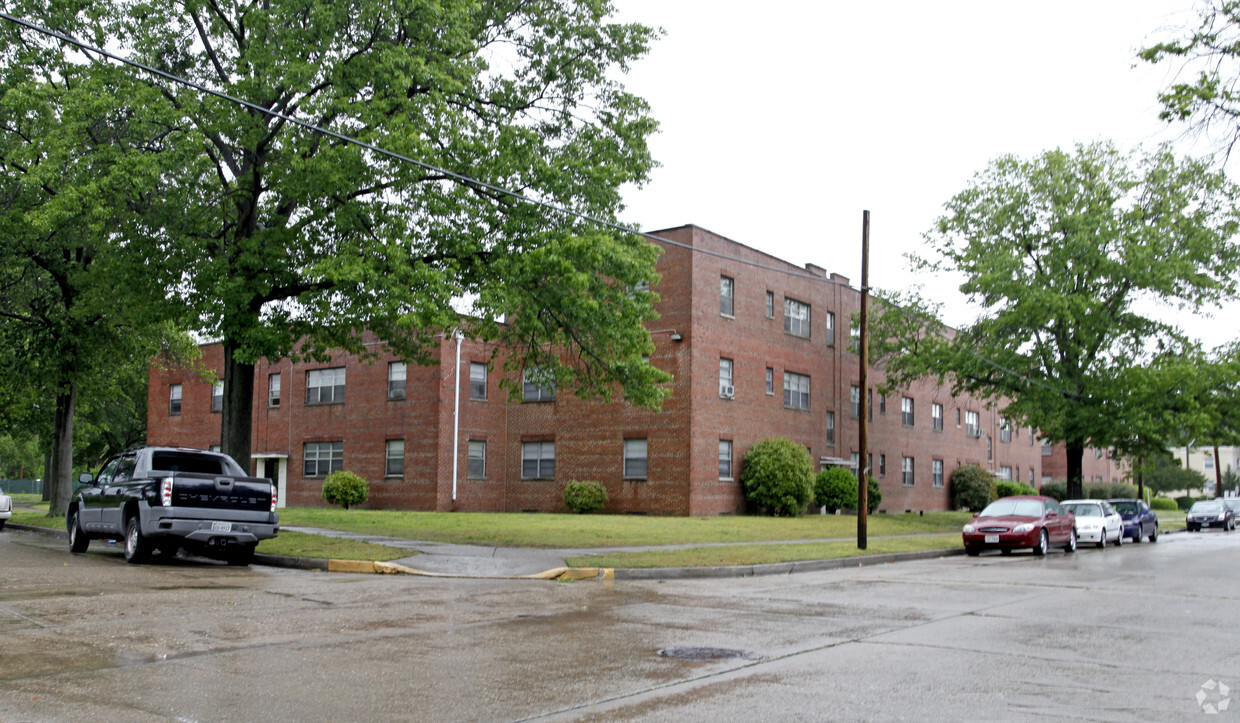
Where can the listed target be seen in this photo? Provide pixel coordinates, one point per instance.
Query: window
(882, 404)
(936, 417)
(726, 389)
(478, 381)
(990, 449)
(217, 397)
(323, 458)
(971, 427)
(725, 459)
(830, 427)
(1005, 430)
(1016, 473)
(906, 466)
(854, 398)
(1046, 448)
(1031, 435)
(855, 459)
(796, 391)
(936, 472)
(325, 386)
(869, 404)
(882, 465)
(174, 399)
(906, 411)
(830, 328)
(394, 465)
(1031, 475)
(796, 318)
(770, 381)
(477, 465)
(770, 304)
(396, 380)
(854, 337)
(957, 419)
(726, 288)
(273, 390)
(536, 391)
(538, 460)
(869, 463)
(1005, 473)
(635, 461)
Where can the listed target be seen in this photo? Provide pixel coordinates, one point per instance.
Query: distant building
(758, 347)
(1202, 460)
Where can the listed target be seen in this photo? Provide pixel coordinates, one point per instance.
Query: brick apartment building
(758, 347)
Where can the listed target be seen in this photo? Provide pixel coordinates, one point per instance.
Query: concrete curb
(779, 568)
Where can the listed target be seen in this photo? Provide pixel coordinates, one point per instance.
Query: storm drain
(702, 654)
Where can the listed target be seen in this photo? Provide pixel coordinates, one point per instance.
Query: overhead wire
(468, 180)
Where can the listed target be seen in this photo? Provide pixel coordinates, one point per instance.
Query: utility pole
(863, 352)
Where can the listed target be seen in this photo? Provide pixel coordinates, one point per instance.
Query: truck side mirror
(86, 478)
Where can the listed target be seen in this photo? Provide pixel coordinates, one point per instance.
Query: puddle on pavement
(702, 654)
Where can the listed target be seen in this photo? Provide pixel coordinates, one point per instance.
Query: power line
(464, 179)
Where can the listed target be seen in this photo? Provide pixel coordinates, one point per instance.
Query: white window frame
(770, 381)
(476, 459)
(174, 400)
(906, 411)
(394, 458)
(478, 381)
(727, 296)
(854, 399)
(797, 315)
(725, 459)
(936, 417)
(636, 458)
(398, 374)
(830, 328)
(830, 427)
(273, 390)
(972, 424)
(796, 390)
(532, 392)
(217, 396)
(538, 460)
(770, 304)
(907, 466)
(936, 472)
(320, 459)
(726, 370)
(325, 386)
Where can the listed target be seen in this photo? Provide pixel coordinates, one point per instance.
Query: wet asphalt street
(1120, 634)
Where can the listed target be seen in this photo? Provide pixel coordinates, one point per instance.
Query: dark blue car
(1139, 520)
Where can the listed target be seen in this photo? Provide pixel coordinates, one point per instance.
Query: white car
(1096, 521)
(6, 508)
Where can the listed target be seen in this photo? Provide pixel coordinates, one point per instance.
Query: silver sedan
(1096, 521)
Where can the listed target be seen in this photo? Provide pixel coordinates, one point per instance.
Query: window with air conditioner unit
(726, 390)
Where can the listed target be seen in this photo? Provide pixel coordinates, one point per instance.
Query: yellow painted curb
(392, 568)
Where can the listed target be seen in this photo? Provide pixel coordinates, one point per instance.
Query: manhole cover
(702, 653)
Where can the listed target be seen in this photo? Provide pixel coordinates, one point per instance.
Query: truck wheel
(137, 547)
(78, 541)
(241, 555)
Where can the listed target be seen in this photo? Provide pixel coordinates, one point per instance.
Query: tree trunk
(61, 479)
(1076, 457)
(47, 477)
(1218, 475)
(1140, 478)
(237, 419)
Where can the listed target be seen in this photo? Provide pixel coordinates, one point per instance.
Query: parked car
(159, 500)
(1234, 504)
(1139, 520)
(1025, 521)
(1096, 521)
(1210, 513)
(6, 508)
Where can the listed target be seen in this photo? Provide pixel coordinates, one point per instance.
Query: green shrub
(1184, 502)
(1110, 490)
(1164, 503)
(777, 475)
(873, 495)
(972, 488)
(836, 489)
(345, 489)
(1057, 489)
(584, 497)
(1007, 488)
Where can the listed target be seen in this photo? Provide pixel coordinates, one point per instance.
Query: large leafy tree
(79, 306)
(1070, 257)
(292, 242)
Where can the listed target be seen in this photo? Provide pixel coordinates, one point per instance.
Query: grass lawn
(765, 554)
(544, 530)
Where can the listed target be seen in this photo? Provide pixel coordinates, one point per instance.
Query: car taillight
(165, 492)
(274, 494)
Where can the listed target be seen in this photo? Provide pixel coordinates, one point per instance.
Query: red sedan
(1010, 523)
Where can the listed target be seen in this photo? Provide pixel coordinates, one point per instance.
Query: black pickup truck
(160, 500)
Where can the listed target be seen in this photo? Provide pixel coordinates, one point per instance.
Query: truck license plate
(221, 527)
(989, 538)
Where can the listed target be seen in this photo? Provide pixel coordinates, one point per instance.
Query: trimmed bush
(1057, 489)
(345, 489)
(584, 497)
(972, 488)
(777, 475)
(1007, 488)
(873, 495)
(1113, 490)
(1185, 501)
(836, 489)
(1164, 503)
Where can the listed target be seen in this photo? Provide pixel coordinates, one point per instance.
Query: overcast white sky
(781, 121)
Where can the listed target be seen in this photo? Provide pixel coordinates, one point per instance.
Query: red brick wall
(683, 439)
